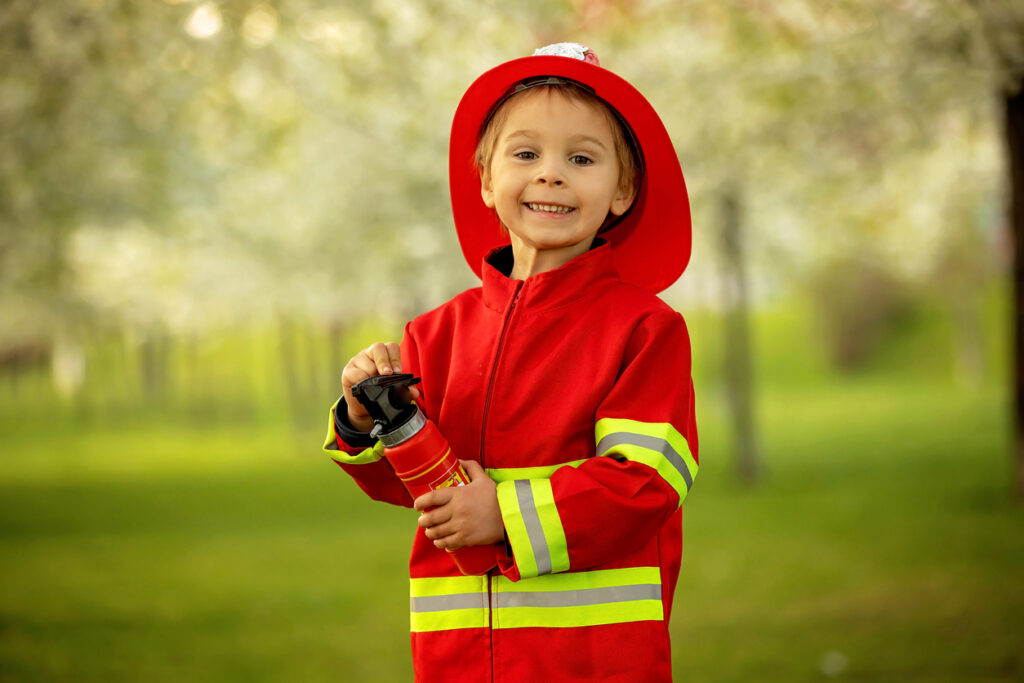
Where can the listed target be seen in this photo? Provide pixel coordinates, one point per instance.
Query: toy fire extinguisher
(418, 452)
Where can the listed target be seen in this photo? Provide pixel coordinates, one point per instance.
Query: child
(563, 383)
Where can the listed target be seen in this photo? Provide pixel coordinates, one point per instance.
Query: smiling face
(554, 178)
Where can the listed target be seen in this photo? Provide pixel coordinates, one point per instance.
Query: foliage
(182, 168)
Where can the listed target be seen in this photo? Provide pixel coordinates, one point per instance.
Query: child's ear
(623, 200)
(487, 190)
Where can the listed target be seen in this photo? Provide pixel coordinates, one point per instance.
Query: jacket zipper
(494, 369)
(483, 438)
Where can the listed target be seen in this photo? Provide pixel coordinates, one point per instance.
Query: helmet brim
(650, 244)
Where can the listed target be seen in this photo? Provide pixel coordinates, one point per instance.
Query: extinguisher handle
(387, 399)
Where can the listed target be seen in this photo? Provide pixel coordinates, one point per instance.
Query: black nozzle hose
(387, 399)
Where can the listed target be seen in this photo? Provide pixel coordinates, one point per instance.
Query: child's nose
(550, 176)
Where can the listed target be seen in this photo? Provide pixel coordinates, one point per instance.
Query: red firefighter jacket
(573, 390)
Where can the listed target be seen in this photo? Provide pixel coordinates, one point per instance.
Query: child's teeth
(551, 208)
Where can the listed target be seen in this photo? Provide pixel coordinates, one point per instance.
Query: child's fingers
(381, 355)
(381, 358)
(448, 543)
(377, 359)
(394, 355)
(440, 531)
(358, 368)
(433, 499)
(473, 469)
(356, 371)
(434, 517)
(446, 537)
(365, 362)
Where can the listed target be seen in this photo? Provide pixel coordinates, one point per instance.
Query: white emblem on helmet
(572, 50)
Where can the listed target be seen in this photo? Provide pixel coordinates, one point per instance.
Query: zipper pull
(515, 298)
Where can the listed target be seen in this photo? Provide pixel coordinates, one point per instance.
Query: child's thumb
(473, 469)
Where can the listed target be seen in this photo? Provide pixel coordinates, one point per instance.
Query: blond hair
(626, 150)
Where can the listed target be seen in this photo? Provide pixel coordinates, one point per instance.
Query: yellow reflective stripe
(657, 445)
(582, 615)
(533, 526)
(509, 473)
(364, 457)
(515, 528)
(531, 519)
(551, 524)
(447, 603)
(604, 596)
(448, 620)
(576, 599)
(446, 585)
(571, 581)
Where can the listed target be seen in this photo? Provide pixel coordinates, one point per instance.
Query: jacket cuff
(342, 440)
(533, 526)
(348, 433)
(658, 445)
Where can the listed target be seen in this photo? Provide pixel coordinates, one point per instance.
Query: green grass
(208, 539)
(882, 531)
(248, 557)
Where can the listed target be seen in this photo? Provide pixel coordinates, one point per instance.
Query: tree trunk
(1014, 108)
(738, 370)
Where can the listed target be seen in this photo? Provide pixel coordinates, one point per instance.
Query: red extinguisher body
(420, 455)
(425, 462)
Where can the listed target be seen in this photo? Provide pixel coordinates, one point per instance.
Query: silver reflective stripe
(442, 603)
(652, 443)
(576, 598)
(528, 511)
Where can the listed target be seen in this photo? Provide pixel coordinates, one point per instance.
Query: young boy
(563, 383)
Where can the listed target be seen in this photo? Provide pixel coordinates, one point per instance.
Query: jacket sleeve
(361, 455)
(590, 513)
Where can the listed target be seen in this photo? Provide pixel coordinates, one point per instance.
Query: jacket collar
(552, 288)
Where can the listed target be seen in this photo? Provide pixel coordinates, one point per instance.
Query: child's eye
(525, 155)
(580, 160)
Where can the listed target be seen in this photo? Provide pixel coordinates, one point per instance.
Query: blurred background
(207, 207)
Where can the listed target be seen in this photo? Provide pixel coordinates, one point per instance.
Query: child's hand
(376, 359)
(463, 515)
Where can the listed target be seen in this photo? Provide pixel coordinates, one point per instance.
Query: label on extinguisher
(453, 476)
(454, 480)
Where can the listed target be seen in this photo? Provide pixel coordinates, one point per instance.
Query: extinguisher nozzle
(388, 400)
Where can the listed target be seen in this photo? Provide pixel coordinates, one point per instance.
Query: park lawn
(881, 545)
(238, 554)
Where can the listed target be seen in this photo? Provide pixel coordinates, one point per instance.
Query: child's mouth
(549, 208)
